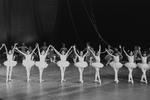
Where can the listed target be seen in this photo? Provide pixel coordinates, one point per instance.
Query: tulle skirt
(116, 64)
(10, 63)
(97, 65)
(81, 64)
(143, 66)
(41, 64)
(63, 63)
(28, 63)
(130, 65)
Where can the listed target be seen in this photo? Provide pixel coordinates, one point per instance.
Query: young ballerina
(42, 64)
(97, 64)
(81, 64)
(63, 48)
(116, 65)
(23, 48)
(28, 61)
(52, 55)
(130, 65)
(10, 63)
(63, 63)
(109, 57)
(144, 66)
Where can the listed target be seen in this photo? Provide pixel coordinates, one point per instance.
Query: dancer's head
(28, 52)
(144, 54)
(43, 52)
(81, 53)
(63, 52)
(131, 53)
(44, 43)
(23, 44)
(64, 44)
(10, 52)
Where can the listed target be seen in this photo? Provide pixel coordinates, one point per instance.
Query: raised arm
(2, 46)
(109, 52)
(92, 52)
(56, 51)
(139, 49)
(47, 49)
(74, 48)
(5, 48)
(125, 52)
(69, 50)
(34, 49)
(14, 47)
(20, 51)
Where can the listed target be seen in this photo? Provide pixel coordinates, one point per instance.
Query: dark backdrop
(55, 21)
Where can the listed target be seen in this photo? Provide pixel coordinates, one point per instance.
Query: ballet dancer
(28, 61)
(144, 66)
(130, 65)
(23, 48)
(63, 48)
(109, 57)
(63, 63)
(97, 64)
(42, 64)
(116, 65)
(81, 64)
(9, 63)
(52, 56)
(44, 47)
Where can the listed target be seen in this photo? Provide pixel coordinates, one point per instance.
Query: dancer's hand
(119, 46)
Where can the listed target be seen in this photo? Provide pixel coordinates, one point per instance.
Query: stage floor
(53, 89)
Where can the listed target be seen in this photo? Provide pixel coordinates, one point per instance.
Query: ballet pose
(52, 55)
(81, 64)
(116, 65)
(109, 57)
(63, 63)
(97, 64)
(9, 63)
(130, 65)
(42, 64)
(144, 66)
(28, 61)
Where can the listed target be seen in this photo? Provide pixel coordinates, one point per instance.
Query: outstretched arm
(74, 48)
(69, 50)
(14, 47)
(109, 52)
(6, 49)
(20, 51)
(125, 52)
(56, 51)
(92, 52)
(47, 49)
(34, 49)
(140, 51)
(2, 46)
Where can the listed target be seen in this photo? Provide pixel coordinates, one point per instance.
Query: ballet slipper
(41, 80)
(10, 80)
(99, 81)
(82, 81)
(142, 81)
(6, 81)
(96, 80)
(132, 82)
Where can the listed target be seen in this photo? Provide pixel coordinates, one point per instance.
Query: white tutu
(130, 65)
(97, 65)
(10, 63)
(116, 65)
(41, 64)
(63, 63)
(81, 64)
(27, 63)
(143, 66)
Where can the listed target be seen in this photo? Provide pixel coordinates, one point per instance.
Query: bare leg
(54, 60)
(130, 75)
(81, 74)
(108, 61)
(7, 73)
(98, 75)
(62, 74)
(116, 75)
(41, 72)
(28, 73)
(64, 69)
(144, 75)
(10, 73)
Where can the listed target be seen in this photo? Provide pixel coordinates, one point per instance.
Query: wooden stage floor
(52, 89)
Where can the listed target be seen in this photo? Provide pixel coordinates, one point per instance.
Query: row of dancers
(79, 58)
